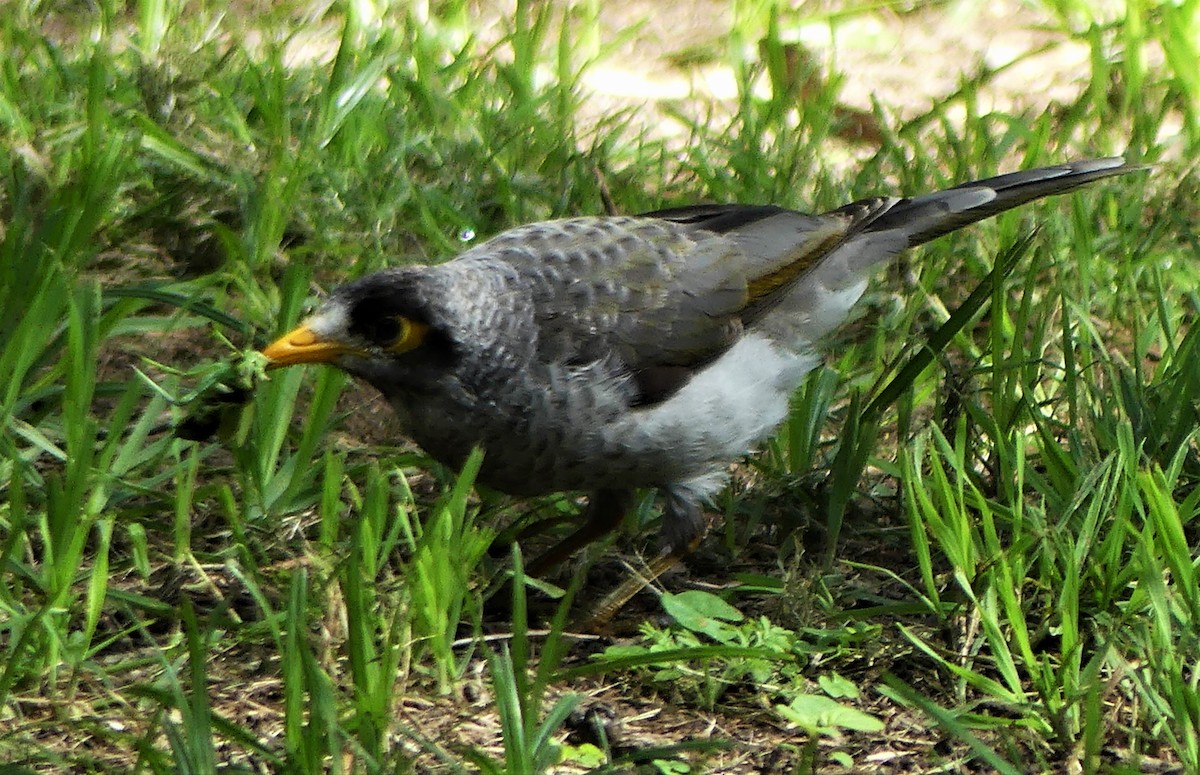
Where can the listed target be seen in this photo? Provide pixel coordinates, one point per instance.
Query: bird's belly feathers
(724, 410)
(574, 430)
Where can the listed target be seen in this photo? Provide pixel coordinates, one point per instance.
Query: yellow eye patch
(411, 335)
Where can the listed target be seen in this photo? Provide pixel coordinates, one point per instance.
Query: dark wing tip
(718, 219)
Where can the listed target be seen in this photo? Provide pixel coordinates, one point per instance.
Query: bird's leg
(684, 527)
(605, 510)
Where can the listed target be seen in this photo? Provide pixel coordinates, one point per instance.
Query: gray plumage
(610, 353)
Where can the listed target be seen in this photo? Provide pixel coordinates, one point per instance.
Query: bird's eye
(384, 330)
(379, 322)
(394, 333)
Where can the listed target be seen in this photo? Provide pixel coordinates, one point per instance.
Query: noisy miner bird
(611, 353)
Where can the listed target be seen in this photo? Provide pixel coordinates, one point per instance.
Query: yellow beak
(302, 345)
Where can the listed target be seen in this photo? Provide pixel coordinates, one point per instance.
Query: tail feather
(820, 299)
(923, 218)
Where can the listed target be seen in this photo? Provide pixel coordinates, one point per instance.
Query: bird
(605, 354)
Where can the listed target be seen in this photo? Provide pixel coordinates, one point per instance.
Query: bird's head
(383, 328)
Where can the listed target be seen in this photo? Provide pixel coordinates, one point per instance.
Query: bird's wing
(664, 293)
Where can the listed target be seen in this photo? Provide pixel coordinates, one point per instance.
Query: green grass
(978, 526)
